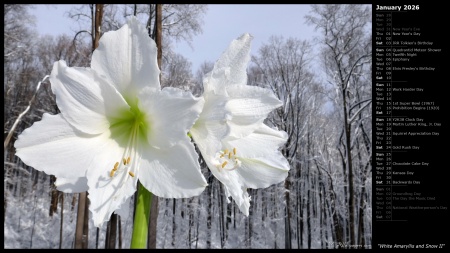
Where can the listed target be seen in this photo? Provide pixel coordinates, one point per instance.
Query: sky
(221, 24)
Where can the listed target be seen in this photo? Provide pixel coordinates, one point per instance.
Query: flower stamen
(125, 162)
(227, 160)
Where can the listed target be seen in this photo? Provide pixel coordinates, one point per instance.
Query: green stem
(141, 218)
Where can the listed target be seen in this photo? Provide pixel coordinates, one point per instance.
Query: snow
(29, 226)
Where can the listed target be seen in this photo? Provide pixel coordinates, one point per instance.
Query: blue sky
(222, 24)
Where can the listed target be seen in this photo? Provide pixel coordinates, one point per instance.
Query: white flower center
(227, 160)
(131, 128)
(129, 163)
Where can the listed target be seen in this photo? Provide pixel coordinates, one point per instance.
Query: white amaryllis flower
(117, 126)
(239, 149)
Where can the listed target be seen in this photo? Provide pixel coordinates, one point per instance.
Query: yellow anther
(116, 166)
(111, 174)
(128, 160)
(131, 173)
(226, 151)
(221, 156)
(124, 161)
(229, 155)
(224, 163)
(234, 151)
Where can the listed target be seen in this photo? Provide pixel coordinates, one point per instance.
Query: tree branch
(8, 138)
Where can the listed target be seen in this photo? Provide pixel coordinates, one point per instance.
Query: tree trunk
(154, 208)
(246, 233)
(158, 36)
(221, 216)
(287, 217)
(309, 186)
(308, 216)
(351, 206)
(338, 230)
(300, 224)
(275, 217)
(323, 207)
(54, 197)
(228, 223)
(251, 213)
(97, 234)
(120, 231)
(110, 242)
(287, 210)
(86, 222)
(97, 25)
(321, 217)
(343, 223)
(191, 221)
(234, 215)
(62, 220)
(107, 234)
(174, 223)
(362, 207)
(80, 239)
(209, 218)
(198, 222)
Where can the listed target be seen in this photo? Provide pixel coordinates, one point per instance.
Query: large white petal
(205, 141)
(230, 179)
(173, 172)
(211, 127)
(52, 145)
(231, 67)
(249, 106)
(127, 59)
(233, 186)
(214, 109)
(263, 142)
(262, 162)
(170, 113)
(106, 193)
(85, 100)
(263, 172)
(71, 185)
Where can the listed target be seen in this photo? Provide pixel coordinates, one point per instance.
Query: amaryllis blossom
(117, 126)
(239, 149)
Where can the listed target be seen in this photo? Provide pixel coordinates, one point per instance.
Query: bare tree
(24, 68)
(18, 34)
(176, 72)
(180, 22)
(346, 56)
(283, 66)
(204, 68)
